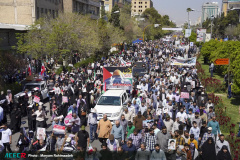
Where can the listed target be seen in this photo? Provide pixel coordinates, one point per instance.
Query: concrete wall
(17, 11)
(68, 6)
(27, 11)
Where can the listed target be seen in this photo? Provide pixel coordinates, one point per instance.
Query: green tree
(56, 37)
(115, 14)
(193, 37)
(152, 17)
(129, 24)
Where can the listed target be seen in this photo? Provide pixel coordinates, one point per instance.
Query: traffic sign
(222, 61)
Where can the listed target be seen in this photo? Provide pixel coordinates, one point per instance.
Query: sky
(176, 9)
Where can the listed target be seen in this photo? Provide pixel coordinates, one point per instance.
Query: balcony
(95, 4)
(83, 1)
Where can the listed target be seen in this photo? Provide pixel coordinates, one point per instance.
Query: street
(15, 137)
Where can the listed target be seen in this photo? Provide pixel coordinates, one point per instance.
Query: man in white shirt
(6, 137)
(177, 80)
(57, 90)
(142, 108)
(172, 78)
(170, 95)
(144, 86)
(182, 116)
(40, 119)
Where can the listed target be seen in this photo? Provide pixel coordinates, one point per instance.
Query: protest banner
(57, 129)
(185, 95)
(117, 77)
(65, 99)
(201, 34)
(68, 118)
(183, 62)
(36, 99)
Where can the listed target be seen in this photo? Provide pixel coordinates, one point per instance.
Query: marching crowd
(168, 116)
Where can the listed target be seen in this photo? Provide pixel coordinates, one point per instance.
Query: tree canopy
(152, 17)
(66, 34)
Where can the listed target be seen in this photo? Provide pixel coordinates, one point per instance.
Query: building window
(53, 13)
(50, 11)
(46, 11)
(134, 10)
(134, 2)
(145, 6)
(42, 12)
(37, 12)
(134, 6)
(107, 7)
(145, 2)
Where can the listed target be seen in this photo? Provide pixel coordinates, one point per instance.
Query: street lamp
(155, 25)
(106, 18)
(189, 10)
(212, 18)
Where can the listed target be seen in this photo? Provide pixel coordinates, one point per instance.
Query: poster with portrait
(147, 123)
(172, 144)
(41, 133)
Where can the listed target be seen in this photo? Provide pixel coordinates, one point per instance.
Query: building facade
(230, 5)
(209, 9)
(108, 4)
(26, 12)
(139, 6)
(83, 7)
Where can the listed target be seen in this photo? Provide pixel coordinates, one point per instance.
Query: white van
(111, 103)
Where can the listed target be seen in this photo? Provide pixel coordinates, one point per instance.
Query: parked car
(35, 85)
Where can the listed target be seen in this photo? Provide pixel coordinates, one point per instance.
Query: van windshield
(31, 87)
(106, 100)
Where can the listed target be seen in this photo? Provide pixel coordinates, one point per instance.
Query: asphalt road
(24, 120)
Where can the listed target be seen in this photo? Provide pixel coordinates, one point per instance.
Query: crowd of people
(168, 116)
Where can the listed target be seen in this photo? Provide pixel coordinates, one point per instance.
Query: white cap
(93, 110)
(209, 128)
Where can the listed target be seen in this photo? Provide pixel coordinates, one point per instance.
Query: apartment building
(139, 6)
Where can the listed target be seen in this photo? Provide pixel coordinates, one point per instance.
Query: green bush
(230, 49)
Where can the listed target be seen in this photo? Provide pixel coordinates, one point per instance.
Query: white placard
(191, 44)
(89, 71)
(41, 133)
